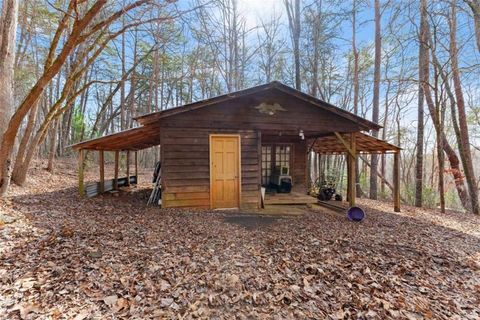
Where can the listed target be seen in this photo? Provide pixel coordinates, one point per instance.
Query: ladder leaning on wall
(156, 195)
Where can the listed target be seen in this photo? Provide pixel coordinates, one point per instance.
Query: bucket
(355, 214)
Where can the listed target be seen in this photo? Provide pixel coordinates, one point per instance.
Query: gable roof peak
(314, 101)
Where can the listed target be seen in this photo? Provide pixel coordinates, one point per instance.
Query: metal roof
(364, 144)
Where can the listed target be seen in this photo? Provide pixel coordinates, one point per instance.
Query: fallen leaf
(166, 302)
(26, 309)
(110, 301)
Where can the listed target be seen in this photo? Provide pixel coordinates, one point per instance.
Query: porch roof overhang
(128, 140)
(330, 144)
(149, 135)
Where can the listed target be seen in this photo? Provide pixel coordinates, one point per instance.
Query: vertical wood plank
(115, 179)
(127, 160)
(210, 153)
(81, 186)
(353, 160)
(164, 169)
(101, 163)
(306, 170)
(309, 170)
(396, 181)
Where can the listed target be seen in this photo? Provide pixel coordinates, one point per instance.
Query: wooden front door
(224, 171)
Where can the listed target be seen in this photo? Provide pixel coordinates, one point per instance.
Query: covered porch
(124, 144)
(293, 154)
(287, 149)
(355, 146)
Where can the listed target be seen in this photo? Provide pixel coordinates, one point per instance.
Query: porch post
(101, 164)
(128, 167)
(81, 187)
(349, 181)
(115, 179)
(136, 166)
(259, 154)
(353, 160)
(396, 181)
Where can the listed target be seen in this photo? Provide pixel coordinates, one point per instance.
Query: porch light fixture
(301, 134)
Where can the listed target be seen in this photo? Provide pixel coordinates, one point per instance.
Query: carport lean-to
(228, 133)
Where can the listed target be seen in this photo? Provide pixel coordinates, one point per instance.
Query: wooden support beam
(127, 160)
(396, 182)
(115, 179)
(345, 143)
(81, 186)
(259, 151)
(349, 181)
(101, 163)
(352, 172)
(136, 165)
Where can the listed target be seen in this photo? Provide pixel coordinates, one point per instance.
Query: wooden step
(289, 198)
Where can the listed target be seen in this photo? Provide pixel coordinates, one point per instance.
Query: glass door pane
(266, 164)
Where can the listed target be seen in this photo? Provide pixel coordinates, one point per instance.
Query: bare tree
(356, 85)
(270, 46)
(464, 145)
(8, 32)
(82, 28)
(423, 78)
(376, 96)
(455, 165)
(224, 33)
(475, 7)
(294, 15)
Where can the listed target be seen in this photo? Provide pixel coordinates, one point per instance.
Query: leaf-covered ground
(111, 257)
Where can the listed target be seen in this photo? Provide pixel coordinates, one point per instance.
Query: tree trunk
(452, 156)
(376, 98)
(298, 84)
(316, 49)
(8, 28)
(235, 44)
(294, 14)
(122, 89)
(462, 116)
(131, 101)
(53, 147)
(356, 87)
(422, 77)
(384, 131)
(441, 159)
(24, 143)
(475, 7)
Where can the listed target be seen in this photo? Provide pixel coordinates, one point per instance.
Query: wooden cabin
(217, 153)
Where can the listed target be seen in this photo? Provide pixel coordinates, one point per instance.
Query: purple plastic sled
(355, 214)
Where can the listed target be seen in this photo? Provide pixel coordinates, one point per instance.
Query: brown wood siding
(299, 174)
(242, 114)
(186, 167)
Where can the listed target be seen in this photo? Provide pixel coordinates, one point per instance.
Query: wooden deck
(289, 198)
